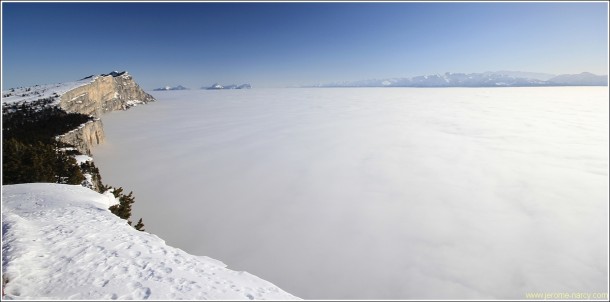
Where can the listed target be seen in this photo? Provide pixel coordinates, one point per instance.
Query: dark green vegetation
(30, 152)
(24, 162)
(123, 209)
(38, 121)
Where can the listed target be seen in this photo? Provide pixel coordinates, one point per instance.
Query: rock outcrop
(85, 137)
(115, 91)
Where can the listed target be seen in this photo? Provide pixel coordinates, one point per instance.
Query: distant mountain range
(581, 79)
(217, 86)
(486, 79)
(179, 87)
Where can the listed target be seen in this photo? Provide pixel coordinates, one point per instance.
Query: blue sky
(282, 44)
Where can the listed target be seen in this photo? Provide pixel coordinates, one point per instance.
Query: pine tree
(123, 209)
(140, 225)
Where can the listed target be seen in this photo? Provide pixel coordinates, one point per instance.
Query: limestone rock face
(85, 137)
(116, 91)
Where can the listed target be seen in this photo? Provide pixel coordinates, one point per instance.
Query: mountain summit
(179, 87)
(217, 86)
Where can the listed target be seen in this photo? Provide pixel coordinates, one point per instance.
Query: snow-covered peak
(523, 74)
(61, 242)
(115, 73)
(166, 88)
(583, 78)
(217, 86)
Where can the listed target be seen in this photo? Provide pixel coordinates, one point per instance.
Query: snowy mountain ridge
(486, 79)
(217, 86)
(33, 93)
(62, 242)
(166, 88)
(91, 95)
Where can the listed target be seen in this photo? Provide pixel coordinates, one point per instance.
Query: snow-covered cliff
(109, 92)
(61, 242)
(114, 91)
(93, 95)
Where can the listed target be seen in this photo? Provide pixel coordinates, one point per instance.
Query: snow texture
(61, 242)
(376, 193)
(81, 158)
(33, 93)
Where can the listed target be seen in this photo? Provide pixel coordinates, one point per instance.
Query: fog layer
(377, 193)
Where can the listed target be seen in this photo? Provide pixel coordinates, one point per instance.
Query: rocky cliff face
(85, 137)
(116, 91)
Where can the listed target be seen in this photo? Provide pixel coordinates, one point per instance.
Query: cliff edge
(61, 242)
(92, 96)
(107, 92)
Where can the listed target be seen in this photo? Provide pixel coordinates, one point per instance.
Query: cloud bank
(377, 193)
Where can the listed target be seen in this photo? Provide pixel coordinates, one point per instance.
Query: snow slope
(33, 93)
(61, 242)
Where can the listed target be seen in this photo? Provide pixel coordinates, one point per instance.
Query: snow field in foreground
(61, 242)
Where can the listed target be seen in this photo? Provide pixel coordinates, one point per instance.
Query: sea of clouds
(373, 193)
